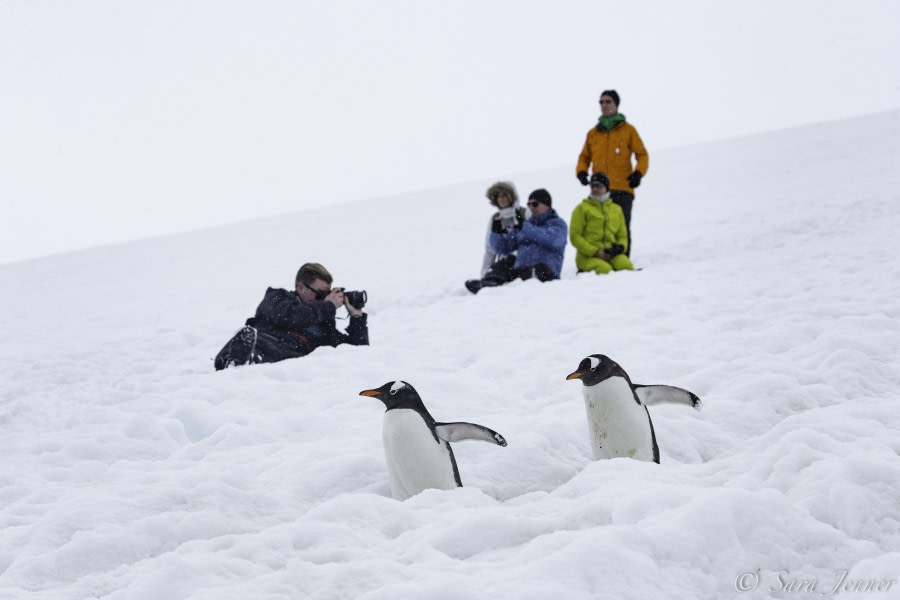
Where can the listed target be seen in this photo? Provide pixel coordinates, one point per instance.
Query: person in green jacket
(598, 231)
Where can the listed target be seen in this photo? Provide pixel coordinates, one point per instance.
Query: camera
(508, 217)
(357, 299)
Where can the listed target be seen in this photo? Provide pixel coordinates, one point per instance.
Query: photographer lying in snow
(291, 324)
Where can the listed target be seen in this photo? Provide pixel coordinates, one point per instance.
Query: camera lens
(357, 299)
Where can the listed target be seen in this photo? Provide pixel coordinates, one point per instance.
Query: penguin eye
(393, 392)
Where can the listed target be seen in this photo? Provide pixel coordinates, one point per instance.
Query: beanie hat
(612, 94)
(541, 195)
(601, 178)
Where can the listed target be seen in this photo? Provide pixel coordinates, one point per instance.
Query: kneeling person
(289, 324)
(598, 232)
(538, 243)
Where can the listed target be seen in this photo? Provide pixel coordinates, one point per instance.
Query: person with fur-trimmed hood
(497, 268)
(539, 242)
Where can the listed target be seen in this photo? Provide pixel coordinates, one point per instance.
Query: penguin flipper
(454, 432)
(650, 395)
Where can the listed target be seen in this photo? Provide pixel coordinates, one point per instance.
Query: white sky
(121, 120)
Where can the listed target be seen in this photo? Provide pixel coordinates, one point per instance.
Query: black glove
(634, 179)
(583, 177)
(615, 250)
(497, 226)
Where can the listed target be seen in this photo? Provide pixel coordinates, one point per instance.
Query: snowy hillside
(770, 287)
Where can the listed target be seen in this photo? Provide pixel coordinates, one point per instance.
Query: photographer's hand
(354, 312)
(336, 297)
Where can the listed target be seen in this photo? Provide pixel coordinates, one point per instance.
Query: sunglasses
(606, 102)
(532, 204)
(320, 294)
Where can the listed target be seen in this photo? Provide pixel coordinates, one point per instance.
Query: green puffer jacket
(596, 225)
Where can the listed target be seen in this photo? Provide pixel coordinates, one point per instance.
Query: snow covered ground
(770, 287)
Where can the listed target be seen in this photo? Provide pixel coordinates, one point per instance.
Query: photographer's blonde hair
(309, 272)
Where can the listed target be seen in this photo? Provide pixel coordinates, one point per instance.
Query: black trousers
(624, 200)
(541, 272)
(252, 346)
(504, 271)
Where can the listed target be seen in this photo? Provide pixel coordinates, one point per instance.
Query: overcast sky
(121, 120)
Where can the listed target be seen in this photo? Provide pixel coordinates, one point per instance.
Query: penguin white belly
(618, 425)
(415, 460)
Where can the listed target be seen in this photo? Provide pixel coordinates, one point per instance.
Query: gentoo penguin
(417, 447)
(617, 414)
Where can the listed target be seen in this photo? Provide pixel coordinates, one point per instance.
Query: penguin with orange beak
(619, 423)
(416, 447)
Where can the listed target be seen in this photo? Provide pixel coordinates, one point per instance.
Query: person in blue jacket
(539, 242)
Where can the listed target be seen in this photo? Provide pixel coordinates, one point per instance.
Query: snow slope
(771, 288)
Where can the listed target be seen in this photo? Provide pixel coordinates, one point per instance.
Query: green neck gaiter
(607, 123)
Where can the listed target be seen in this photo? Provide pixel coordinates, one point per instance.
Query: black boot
(240, 350)
(544, 273)
(473, 285)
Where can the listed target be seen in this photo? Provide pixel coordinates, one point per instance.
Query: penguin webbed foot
(458, 431)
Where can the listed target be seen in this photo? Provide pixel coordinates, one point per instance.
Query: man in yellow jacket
(608, 148)
(598, 232)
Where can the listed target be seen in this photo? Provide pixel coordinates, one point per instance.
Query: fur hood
(502, 186)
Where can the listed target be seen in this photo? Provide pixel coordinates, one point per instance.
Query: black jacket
(301, 328)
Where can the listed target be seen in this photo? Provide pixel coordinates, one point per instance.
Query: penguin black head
(597, 368)
(397, 394)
